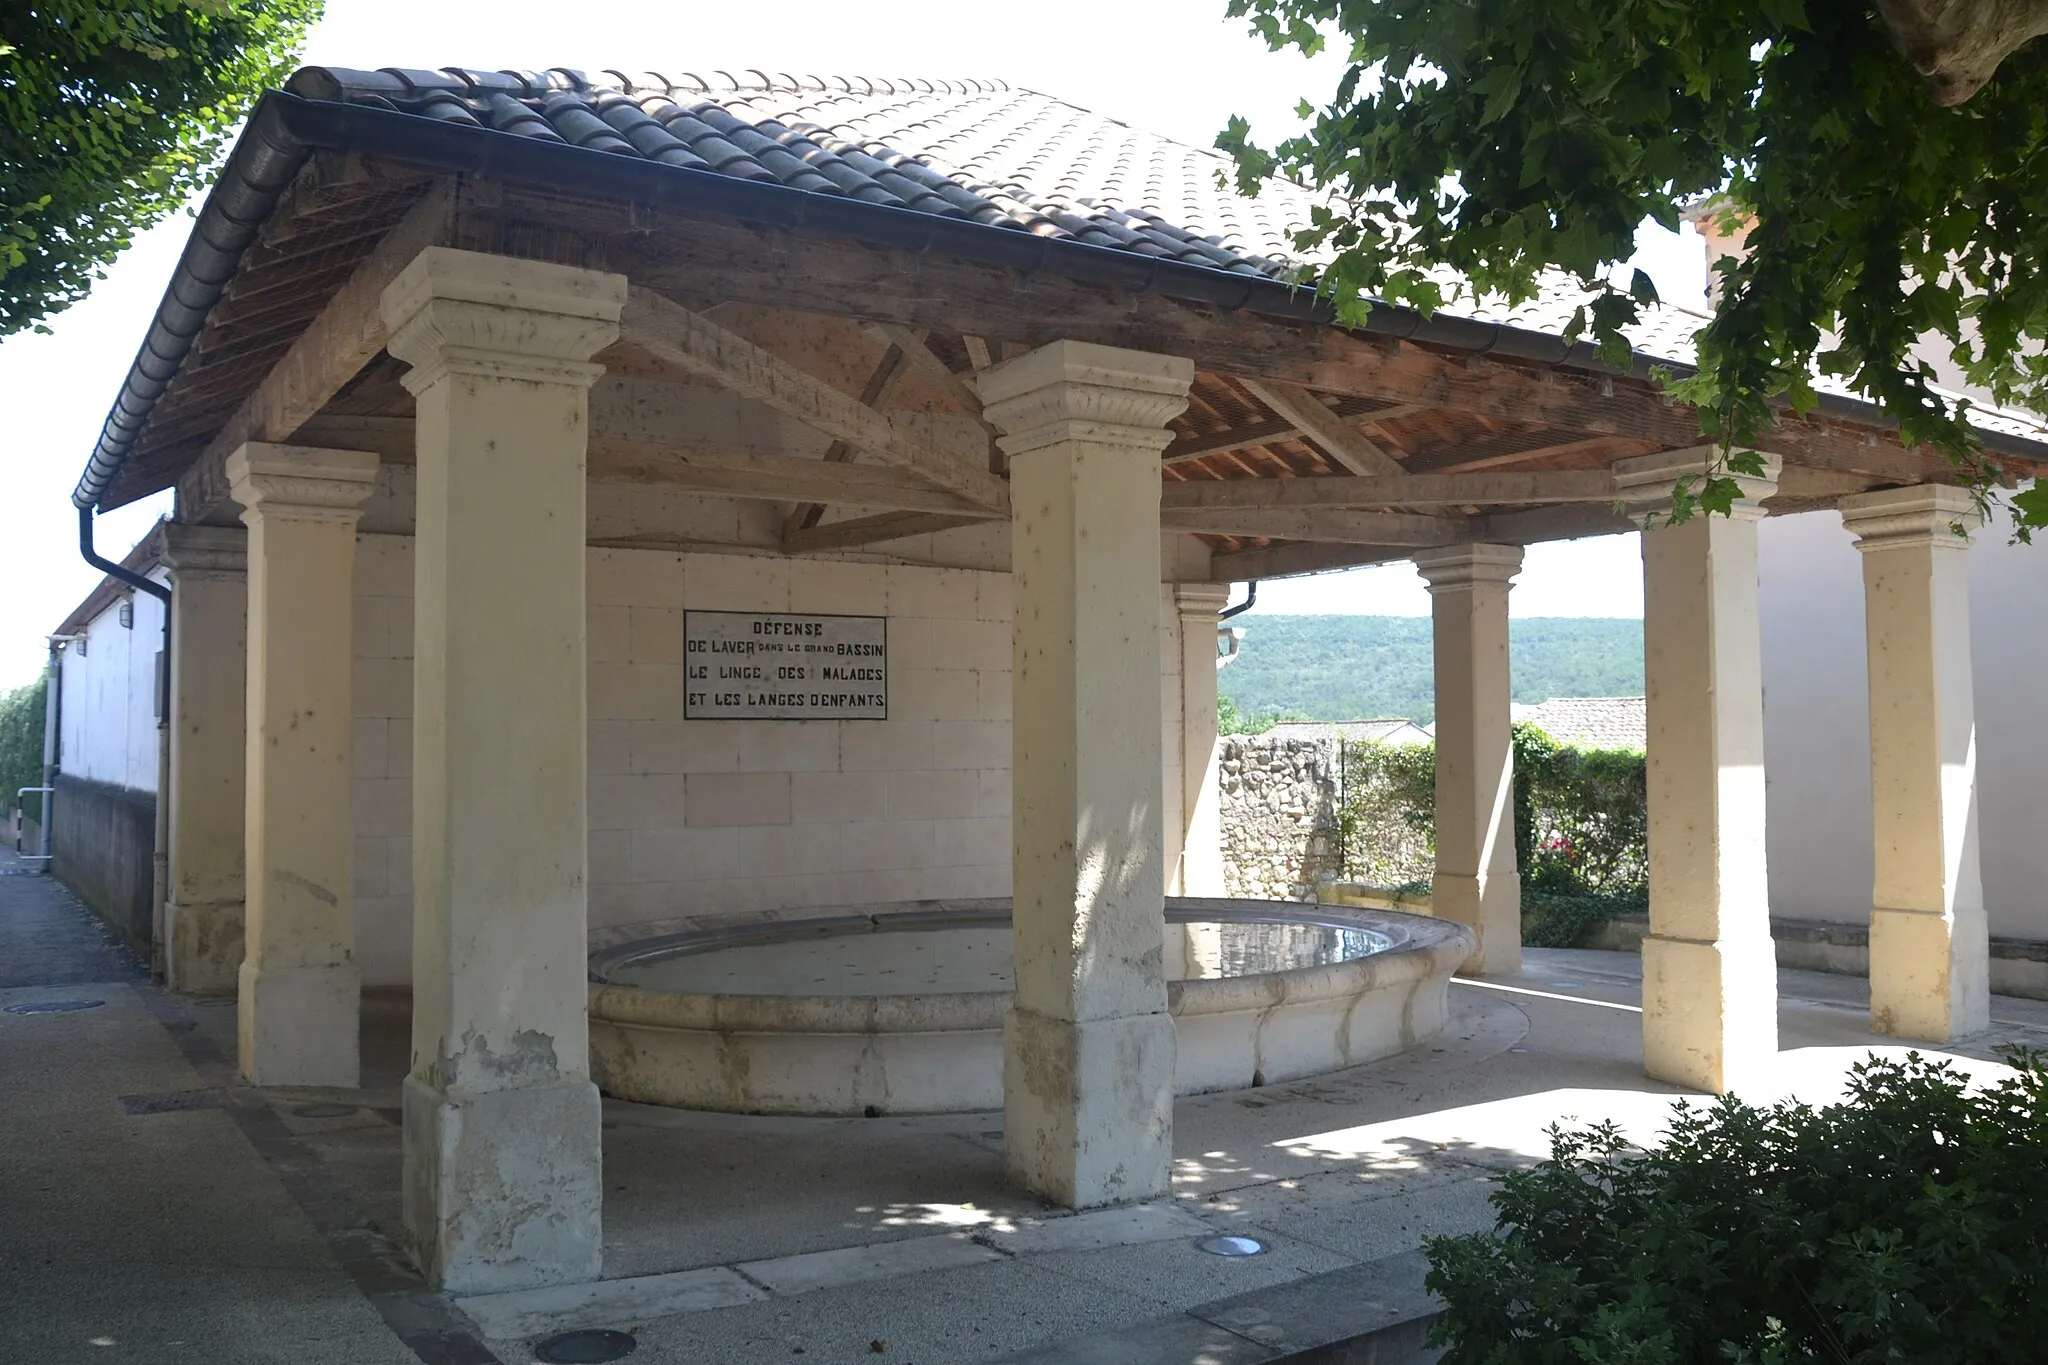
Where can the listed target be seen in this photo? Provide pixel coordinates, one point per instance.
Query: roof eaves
(285, 128)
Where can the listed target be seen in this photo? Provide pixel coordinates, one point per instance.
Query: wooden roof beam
(895, 364)
(1393, 490)
(772, 478)
(855, 532)
(345, 336)
(695, 345)
(1326, 525)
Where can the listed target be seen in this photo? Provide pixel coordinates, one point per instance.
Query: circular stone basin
(899, 1009)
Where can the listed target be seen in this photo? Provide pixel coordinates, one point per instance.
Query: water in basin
(922, 960)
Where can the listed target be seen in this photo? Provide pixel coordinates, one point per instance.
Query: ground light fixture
(585, 1347)
(1230, 1244)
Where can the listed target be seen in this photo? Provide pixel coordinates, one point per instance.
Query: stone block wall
(1279, 816)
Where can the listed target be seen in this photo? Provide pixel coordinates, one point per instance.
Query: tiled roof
(1589, 722)
(977, 150)
(968, 149)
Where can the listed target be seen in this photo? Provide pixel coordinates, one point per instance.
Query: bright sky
(1184, 81)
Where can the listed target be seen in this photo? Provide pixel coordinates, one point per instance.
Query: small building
(604, 500)
(1590, 722)
(1385, 730)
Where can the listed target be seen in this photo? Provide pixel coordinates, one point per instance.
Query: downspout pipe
(1251, 595)
(53, 688)
(160, 859)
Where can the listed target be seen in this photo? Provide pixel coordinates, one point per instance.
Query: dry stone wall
(1279, 816)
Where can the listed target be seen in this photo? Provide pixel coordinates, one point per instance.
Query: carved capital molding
(1201, 601)
(202, 553)
(497, 317)
(1933, 516)
(1073, 391)
(1459, 568)
(1646, 483)
(300, 483)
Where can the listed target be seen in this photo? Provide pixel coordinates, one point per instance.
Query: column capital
(194, 553)
(466, 312)
(1201, 599)
(301, 483)
(1935, 516)
(1079, 391)
(1646, 482)
(1458, 568)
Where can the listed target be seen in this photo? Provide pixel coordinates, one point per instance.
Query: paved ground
(152, 1210)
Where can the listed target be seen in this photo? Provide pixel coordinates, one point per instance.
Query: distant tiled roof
(1589, 722)
(967, 149)
(1388, 730)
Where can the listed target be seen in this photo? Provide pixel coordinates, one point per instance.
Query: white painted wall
(1816, 723)
(107, 725)
(720, 817)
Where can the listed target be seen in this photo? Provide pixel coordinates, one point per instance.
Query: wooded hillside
(1353, 667)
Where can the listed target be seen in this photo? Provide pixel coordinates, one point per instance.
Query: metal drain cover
(55, 1006)
(585, 1348)
(1231, 1245)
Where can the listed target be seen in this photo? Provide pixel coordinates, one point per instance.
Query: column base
(300, 1025)
(203, 947)
(1088, 1107)
(1491, 909)
(504, 1189)
(1930, 974)
(1710, 1011)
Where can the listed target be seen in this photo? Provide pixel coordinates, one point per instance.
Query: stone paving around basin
(151, 1215)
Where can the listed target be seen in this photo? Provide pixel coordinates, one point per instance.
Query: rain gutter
(285, 129)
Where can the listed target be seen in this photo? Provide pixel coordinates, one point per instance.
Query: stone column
(1088, 1048)
(1710, 989)
(1930, 962)
(1475, 882)
(300, 990)
(502, 1166)
(206, 786)
(1201, 844)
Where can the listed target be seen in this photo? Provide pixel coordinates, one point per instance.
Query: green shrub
(21, 747)
(1581, 827)
(1905, 1226)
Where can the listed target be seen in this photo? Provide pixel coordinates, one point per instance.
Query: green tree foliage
(1500, 138)
(1907, 1224)
(1358, 667)
(21, 747)
(111, 115)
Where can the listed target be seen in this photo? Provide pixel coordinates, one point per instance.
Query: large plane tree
(112, 113)
(1888, 162)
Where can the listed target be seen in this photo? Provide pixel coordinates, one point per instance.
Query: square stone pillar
(207, 786)
(1475, 883)
(1710, 988)
(1088, 1048)
(300, 989)
(1201, 843)
(1930, 953)
(502, 1166)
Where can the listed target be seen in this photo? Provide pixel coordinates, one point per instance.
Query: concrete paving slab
(1323, 1309)
(1156, 1222)
(606, 1303)
(1324, 1211)
(855, 1265)
(1176, 1274)
(948, 1317)
(1176, 1340)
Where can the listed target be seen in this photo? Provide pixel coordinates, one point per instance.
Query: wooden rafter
(771, 478)
(1282, 561)
(1519, 448)
(694, 344)
(345, 336)
(1308, 414)
(888, 374)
